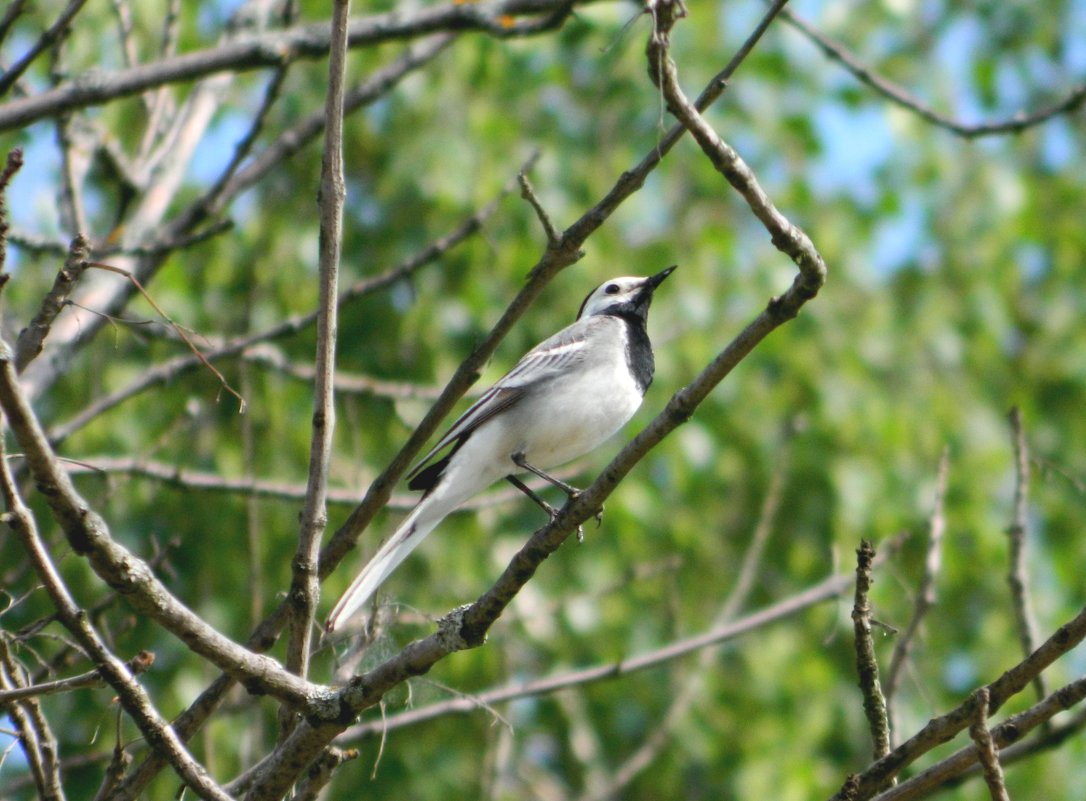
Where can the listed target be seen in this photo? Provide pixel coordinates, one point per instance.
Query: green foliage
(956, 291)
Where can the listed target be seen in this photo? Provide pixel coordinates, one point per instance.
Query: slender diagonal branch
(49, 37)
(89, 536)
(944, 727)
(304, 590)
(925, 593)
(32, 338)
(900, 96)
(133, 697)
(867, 665)
(1017, 538)
(1009, 731)
(274, 48)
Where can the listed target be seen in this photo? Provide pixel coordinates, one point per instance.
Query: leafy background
(956, 291)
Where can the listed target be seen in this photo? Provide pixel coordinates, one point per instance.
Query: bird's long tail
(407, 537)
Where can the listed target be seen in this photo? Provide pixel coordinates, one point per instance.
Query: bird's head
(625, 295)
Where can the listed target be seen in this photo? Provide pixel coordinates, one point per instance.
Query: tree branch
(304, 592)
(986, 749)
(274, 48)
(89, 536)
(1010, 731)
(903, 98)
(138, 664)
(943, 728)
(49, 37)
(867, 665)
(132, 696)
(32, 338)
(826, 590)
(35, 736)
(1018, 569)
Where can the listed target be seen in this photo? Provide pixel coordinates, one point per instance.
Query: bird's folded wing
(547, 360)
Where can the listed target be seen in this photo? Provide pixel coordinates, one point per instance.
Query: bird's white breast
(580, 409)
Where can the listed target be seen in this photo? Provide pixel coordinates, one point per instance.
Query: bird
(564, 398)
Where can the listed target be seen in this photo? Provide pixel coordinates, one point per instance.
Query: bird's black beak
(654, 281)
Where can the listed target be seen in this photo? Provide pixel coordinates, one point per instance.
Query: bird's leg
(520, 485)
(546, 507)
(571, 491)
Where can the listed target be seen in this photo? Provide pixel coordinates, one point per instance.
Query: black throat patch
(638, 350)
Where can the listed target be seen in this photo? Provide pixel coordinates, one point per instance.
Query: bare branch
(89, 536)
(321, 772)
(943, 728)
(138, 664)
(902, 97)
(274, 48)
(155, 729)
(925, 593)
(1017, 532)
(177, 329)
(11, 13)
(49, 37)
(12, 164)
(986, 749)
(32, 338)
(35, 736)
(867, 665)
(786, 237)
(1010, 731)
(304, 593)
(526, 192)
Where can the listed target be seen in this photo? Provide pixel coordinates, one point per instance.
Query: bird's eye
(612, 289)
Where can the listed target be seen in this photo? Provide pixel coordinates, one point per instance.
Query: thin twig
(320, 773)
(987, 753)
(12, 164)
(867, 665)
(828, 589)
(528, 193)
(902, 97)
(35, 735)
(925, 592)
(31, 339)
(49, 37)
(180, 331)
(942, 728)
(1017, 537)
(304, 593)
(138, 664)
(11, 14)
(173, 475)
(133, 697)
(964, 761)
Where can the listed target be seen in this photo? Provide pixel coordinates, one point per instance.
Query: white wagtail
(563, 399)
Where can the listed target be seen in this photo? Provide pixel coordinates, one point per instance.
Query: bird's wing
(546, 360)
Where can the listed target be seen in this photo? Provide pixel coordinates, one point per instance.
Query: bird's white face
(613, 293)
